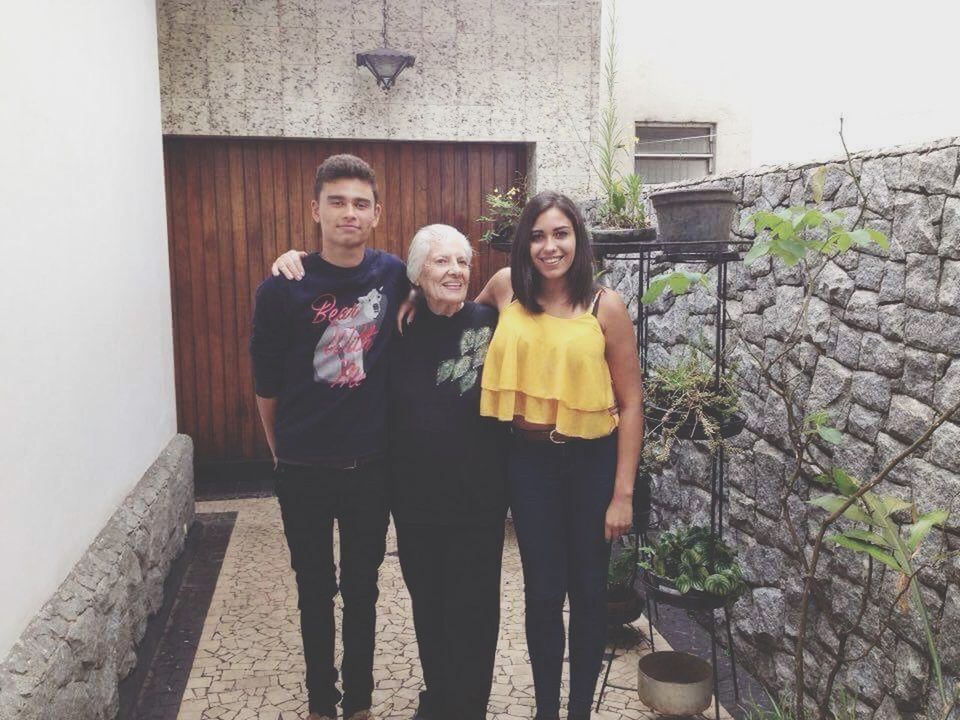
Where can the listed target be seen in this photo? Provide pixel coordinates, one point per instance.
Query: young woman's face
(552, 244)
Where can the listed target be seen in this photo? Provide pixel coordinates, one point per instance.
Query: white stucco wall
(670, 70)
(86, 373)
(496, 70)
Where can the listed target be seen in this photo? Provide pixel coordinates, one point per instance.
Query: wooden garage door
(235, 204)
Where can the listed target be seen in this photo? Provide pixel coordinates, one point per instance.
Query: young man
(319, 359)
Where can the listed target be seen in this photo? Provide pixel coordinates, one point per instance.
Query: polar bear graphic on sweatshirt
(338, 357)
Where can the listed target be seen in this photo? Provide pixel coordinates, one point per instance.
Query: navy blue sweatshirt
(319, 346)
(448, 464)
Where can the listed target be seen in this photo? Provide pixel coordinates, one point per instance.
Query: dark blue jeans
(559, 496)
(311, 498)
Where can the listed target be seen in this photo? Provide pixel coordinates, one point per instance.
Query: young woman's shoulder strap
(596, 302)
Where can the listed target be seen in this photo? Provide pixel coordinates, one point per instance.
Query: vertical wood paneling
(235, 204)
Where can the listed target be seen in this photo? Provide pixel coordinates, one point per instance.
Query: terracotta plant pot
(692, 221)
(675, 683)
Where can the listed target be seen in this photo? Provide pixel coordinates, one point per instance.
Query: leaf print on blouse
(464, 370)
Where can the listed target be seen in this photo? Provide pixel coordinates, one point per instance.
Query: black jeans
(453, 576)
(311, 498)
(559, 496)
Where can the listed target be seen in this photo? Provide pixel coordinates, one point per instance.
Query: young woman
(562, 368)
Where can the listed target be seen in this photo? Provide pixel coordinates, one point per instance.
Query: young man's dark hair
(340, 167)
(525, 278)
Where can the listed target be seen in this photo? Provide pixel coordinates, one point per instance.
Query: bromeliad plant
(693, 559)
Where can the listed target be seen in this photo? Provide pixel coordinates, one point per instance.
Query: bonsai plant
(693, 561)
(503, 209)
(687, 401)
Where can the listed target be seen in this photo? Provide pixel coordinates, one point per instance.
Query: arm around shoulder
(498, 291)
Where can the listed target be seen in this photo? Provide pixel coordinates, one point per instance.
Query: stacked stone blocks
(883, 359)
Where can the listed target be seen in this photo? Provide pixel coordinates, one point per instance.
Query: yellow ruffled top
(551, 371)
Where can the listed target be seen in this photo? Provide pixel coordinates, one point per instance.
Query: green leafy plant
(622, 569)
(695, 559)
(503, 209)
(875, 533)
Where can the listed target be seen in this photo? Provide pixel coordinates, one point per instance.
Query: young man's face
(346, 211)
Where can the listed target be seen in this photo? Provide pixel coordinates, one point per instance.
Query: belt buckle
(353, 465)
(554, 440)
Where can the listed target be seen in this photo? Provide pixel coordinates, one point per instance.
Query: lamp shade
(385, 63)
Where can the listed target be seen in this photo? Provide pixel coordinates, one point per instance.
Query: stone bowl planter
(694, 221)
(675, 683)
(688, 427)
(616, 241)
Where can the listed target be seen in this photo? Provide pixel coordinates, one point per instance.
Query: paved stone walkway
(249, 664)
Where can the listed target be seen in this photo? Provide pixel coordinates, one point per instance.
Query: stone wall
(69, 660)
(496, 70)
(883, 358)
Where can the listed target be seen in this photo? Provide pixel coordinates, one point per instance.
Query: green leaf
(867, 536)
(654, 291)
(832, 503)
(860, 237)
(921, 528)
(872, 550)
(759, 249)
(843, 240)
(879, 238)
(894, 504)
(678, 283)
(461, 367)
(817, 180)
(468, 341)
(468, 381)
(831, 435)
(844, 483)
(445, 370)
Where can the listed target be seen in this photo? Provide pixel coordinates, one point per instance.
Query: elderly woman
(448, 479)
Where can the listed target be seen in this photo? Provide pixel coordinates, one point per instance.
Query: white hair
(423, 241)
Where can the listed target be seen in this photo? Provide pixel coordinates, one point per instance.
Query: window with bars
(666, 152)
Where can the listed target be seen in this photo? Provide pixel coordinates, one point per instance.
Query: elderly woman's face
(446, 272)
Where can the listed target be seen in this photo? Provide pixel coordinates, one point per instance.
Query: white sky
(891, 69)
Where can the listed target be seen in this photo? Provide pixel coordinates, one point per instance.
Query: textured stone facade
(69, 660)
(883, 358)
(495, 70)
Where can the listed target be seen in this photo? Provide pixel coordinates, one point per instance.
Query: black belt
(550, 435)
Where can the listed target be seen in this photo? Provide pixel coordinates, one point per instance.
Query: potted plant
(620, 219)
(694, 563)
(503, 210)
(623, 602)
(688, 401)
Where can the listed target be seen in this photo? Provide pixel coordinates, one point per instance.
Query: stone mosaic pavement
(248, 664)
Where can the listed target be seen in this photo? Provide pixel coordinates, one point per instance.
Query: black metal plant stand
(654, 590)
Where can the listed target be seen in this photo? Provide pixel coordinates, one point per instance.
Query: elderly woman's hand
(290, 264)
(619, 517)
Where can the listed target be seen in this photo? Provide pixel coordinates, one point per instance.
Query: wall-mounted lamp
(385, 63)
